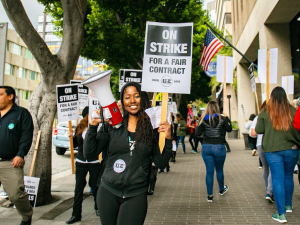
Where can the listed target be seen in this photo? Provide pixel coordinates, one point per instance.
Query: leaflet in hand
(154, 114)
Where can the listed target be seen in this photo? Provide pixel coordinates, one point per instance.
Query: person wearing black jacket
(213, 126)
(122, 195)
(83, 166)
(16, 132)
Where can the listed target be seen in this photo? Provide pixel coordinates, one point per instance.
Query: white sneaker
(253, 152)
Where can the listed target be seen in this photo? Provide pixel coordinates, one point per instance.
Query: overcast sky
(33, 10)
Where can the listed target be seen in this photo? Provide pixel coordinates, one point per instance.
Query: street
(180, 195)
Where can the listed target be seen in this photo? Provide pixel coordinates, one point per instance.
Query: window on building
(33, 75)
(16, 49)
(28, 54)
(25, 94)
(9, 69)
(227, 18)
(22, 72)
(7, 45)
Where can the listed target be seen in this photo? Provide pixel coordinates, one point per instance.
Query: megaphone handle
(102, 118)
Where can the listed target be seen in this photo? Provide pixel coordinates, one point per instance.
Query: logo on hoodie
(119, 166)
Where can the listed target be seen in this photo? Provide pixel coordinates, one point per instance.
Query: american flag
(210, 47)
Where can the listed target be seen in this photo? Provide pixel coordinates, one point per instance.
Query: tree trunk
(176, 98)
(56, 69)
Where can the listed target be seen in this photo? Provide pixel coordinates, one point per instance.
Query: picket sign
(267, 68)
(167, 64)
(224, 88)
(68, 110)
(32, 183)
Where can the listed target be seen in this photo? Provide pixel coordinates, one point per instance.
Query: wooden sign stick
(153, 98)
(35, 152)
(256, 99)
(224, 88)
(71, 147)
(268, 76)
(164, 108)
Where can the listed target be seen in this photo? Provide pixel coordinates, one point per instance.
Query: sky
(32, 8)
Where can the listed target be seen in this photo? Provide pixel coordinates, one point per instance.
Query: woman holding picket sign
(122, 195)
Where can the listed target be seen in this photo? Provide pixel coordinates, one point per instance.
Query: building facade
(223, 17)
(260, 24)
(18, 67)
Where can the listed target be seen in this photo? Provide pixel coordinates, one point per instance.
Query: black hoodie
(126, 171)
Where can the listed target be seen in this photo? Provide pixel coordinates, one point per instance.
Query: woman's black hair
(252, 116)
(144, 131)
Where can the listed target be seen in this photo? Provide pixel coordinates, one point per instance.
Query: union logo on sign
(166, 81)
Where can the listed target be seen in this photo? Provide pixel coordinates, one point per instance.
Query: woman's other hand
(165, 127)
(96, 121)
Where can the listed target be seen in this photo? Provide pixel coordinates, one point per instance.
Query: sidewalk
(180, 195)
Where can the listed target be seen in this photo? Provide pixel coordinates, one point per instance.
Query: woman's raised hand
(96, 121)
(165, 127)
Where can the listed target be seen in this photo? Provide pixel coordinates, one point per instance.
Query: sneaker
(210, 198)
(289, 209)
(224, 191)
(270, 198)
(280, 218)
(260, 167)
(253, 152)
(183, 152)
(193, 151)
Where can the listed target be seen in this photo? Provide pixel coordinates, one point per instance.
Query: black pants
(191, 139)
(114, 210)
(81, 171)
(252, 142)
(197, 139)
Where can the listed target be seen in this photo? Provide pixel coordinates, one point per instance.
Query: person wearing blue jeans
(181, 139)
(214, 157)
(282, 164)
(181, 132)
(213, 127)
(279, 143)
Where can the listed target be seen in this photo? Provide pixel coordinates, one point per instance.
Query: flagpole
(230, 45)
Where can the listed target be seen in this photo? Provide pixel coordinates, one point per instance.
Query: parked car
(60, 137)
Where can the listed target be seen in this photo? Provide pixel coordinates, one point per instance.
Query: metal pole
(230, 44)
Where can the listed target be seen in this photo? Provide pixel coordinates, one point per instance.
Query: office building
(18, 68)
(261, 24)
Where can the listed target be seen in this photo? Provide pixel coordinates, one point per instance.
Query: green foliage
(234, 125)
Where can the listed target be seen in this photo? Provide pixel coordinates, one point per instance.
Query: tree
(56, 69)
(115, 33)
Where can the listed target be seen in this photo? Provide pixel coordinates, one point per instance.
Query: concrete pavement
(180, 195)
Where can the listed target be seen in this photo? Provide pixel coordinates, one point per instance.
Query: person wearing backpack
(122, 195)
